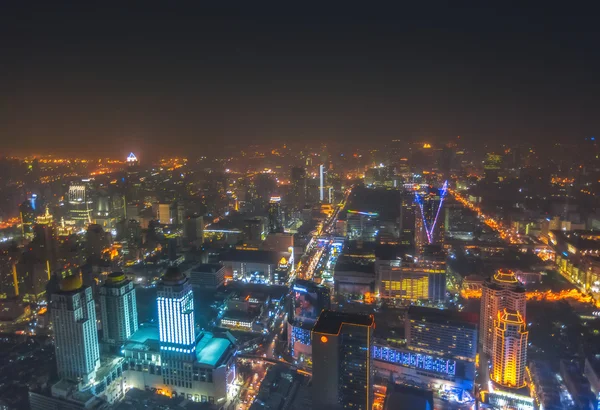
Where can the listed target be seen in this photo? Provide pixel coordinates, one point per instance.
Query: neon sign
(415, 360)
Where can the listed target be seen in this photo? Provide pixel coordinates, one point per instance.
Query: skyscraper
(510, 349)
(177, 335)
(118, 309)
(75, 334)
(275, 215)
(80, 203)
(298, 187)
(501, 291)
(342, 362)
(321, 183)
(27, 216)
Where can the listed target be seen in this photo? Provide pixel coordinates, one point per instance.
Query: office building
(429, 223)
(75, 334)
(27, 216)
(442, 332)
(163, 214)
(118, 309)
(207, 275)
(194, 229)
(175, 302)
(173, 358)
(509, 357)
(275, 215)
(308, 300)
(406, 281)
(80, 204)
(501, 291)
(342, 362)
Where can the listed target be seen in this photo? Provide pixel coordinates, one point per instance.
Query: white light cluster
(176, 319)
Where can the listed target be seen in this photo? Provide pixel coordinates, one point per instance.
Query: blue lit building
(175, 302)
(429, 224)
(307, 301)
(173, 358)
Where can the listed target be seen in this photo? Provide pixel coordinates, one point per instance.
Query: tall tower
(119, 311)
(510, 349)
(177, 335)
(501, 291)
(429, 226)
(75, 334)
(342, 361)
(275, 215)
(321, 182)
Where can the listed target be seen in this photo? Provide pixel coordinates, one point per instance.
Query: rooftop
(443, 316)
(207, 267)
(330, 322)
(210, 349)
(238, 255)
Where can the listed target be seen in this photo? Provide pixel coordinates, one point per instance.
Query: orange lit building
(501, 291)
(509, 357)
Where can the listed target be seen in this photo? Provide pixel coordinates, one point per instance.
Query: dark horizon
(99, 80)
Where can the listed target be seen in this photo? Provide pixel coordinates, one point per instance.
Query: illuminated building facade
(75, 334)
(342, 361)
(501, 291)
(80, 203)
(307, 301)
(118, 308)
(175, 302)
(405, 282)
(441, 332)
(509, 357)
(172, 358)
(429, 223)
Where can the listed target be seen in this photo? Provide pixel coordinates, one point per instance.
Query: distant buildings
(75, 334)
(501, 291)
(118, 308)
(342, 361)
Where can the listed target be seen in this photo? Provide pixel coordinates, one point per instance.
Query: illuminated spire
(131, 158)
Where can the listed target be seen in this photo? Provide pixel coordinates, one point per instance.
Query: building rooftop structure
(330, 322)
(444, 316)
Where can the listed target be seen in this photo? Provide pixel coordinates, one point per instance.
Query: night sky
(100, 79)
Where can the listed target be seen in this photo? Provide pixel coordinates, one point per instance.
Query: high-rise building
(510, 349)
(164, 214)
(80, 203)
(194, 229)
(75, 334)
(118, 309)
(321, 183)
(298, 187)
(444, 332)
(342, 362)
(175, 300)
(429, 224)
(275, 215)
(27, 215)
(501, 291)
